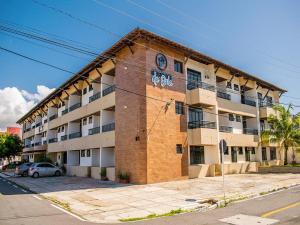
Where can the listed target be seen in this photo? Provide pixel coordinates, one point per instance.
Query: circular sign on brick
(161, 61)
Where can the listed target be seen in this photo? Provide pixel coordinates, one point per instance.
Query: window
(241, 152)
(90, 87)
(88, 153)
(62, 128)
(84, 91)
(253, 151)
(82, 153)
(178, 66)
(226, 151)
(238, 118)
(194, 79)
(229, 85)
(90, 119)
(264, 154)
(179, 148)
(236, 87)
(197, 155)
(84, 121)
(273, 153)
(179, 108)
(58, 130)
(231, 117)
(233, 154)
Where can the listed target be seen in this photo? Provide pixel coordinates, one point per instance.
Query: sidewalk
(108, 202)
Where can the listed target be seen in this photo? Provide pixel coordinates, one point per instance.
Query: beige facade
(157, 111)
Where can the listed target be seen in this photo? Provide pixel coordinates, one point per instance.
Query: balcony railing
(108, 127)
(53, 117)
(75, 106)
(38, 143)
(64, 137)
(223, 95)
(201, 124)
(249, 102)
(52, 140)
(28, 129)
(27, 146)
(266, 104)
(225, 129)
(38, 124)
(193, 85)
(94, 130)
(108, 90)
(64, 111)
(75, 135)
(250, 131)
(95, 97)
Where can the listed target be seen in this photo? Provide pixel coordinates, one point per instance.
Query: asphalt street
(20, 207)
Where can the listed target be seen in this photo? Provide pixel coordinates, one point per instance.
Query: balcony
(234, 139)
(108, 90)
(75, 106)
(202, 133)
(95, 130)
(226, 129)
(201, 93)
(236, 108)
(75, 135)
(223, 95)
(38, 124)
(108, 127)
(53, 117)
(64, 137)
(52, 140)
(250, 131)
(266, 110)
(95, 97)
(249, 102)
(64, 112)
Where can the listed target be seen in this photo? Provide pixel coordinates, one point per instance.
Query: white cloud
(14, 103)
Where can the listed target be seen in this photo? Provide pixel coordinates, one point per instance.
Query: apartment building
(155, 109)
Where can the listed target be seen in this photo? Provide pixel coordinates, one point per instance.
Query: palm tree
(284, 129)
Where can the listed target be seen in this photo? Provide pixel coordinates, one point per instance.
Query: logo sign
(162, 78)
(161, 61)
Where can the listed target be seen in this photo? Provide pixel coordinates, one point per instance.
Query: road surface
(18, 206)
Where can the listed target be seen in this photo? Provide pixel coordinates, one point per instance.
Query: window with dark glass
(84, 121)
(197, 155)
(84, 91)
(82, 153)
(253, 151)
(264, 154)
(179, 148)
(90, 87)
(233, 154)
(241, 152)
(194, 79)
(238, 118)
(178, 66)
(231, 117)
(273, 153)
(90, 119)
(229, 85)
(179, 108)
(236, 87)
(88, 153)
(62, 129)
(226, 151)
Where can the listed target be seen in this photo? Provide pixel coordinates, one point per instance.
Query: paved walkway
(108, 202)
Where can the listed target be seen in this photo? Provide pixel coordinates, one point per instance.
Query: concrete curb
(19, 185)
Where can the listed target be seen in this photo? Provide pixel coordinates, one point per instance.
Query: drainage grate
(247, 220)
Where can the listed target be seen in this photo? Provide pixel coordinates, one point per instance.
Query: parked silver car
(23, 169)
(44, 169)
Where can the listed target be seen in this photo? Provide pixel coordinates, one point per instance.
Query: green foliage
(10, 145)
(103, 172)
(284, 130)
(43, 158)
(123, 176)
(151, 216)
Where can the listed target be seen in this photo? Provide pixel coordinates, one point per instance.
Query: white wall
(107, 117)
(237, 127)
(73, 158)
(74, 99)
(51, 111)
(106, 81)
(74, 127)
(107, 157)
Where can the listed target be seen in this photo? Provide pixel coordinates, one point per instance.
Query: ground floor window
(234, 154)
(264, 154)
(197, 155)
(273, 153)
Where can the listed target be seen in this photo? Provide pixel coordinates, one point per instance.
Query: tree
(10, 145)
(284, 129)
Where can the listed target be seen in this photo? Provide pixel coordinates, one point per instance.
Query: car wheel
(57, 173)
(35, 175)
(25, 174)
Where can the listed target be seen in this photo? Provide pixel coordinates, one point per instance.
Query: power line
(89, 52)
(187, 106)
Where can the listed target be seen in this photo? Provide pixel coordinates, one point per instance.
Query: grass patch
(152, 216)
(64, 205)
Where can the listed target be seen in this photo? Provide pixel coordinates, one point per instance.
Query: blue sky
(260, 37)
